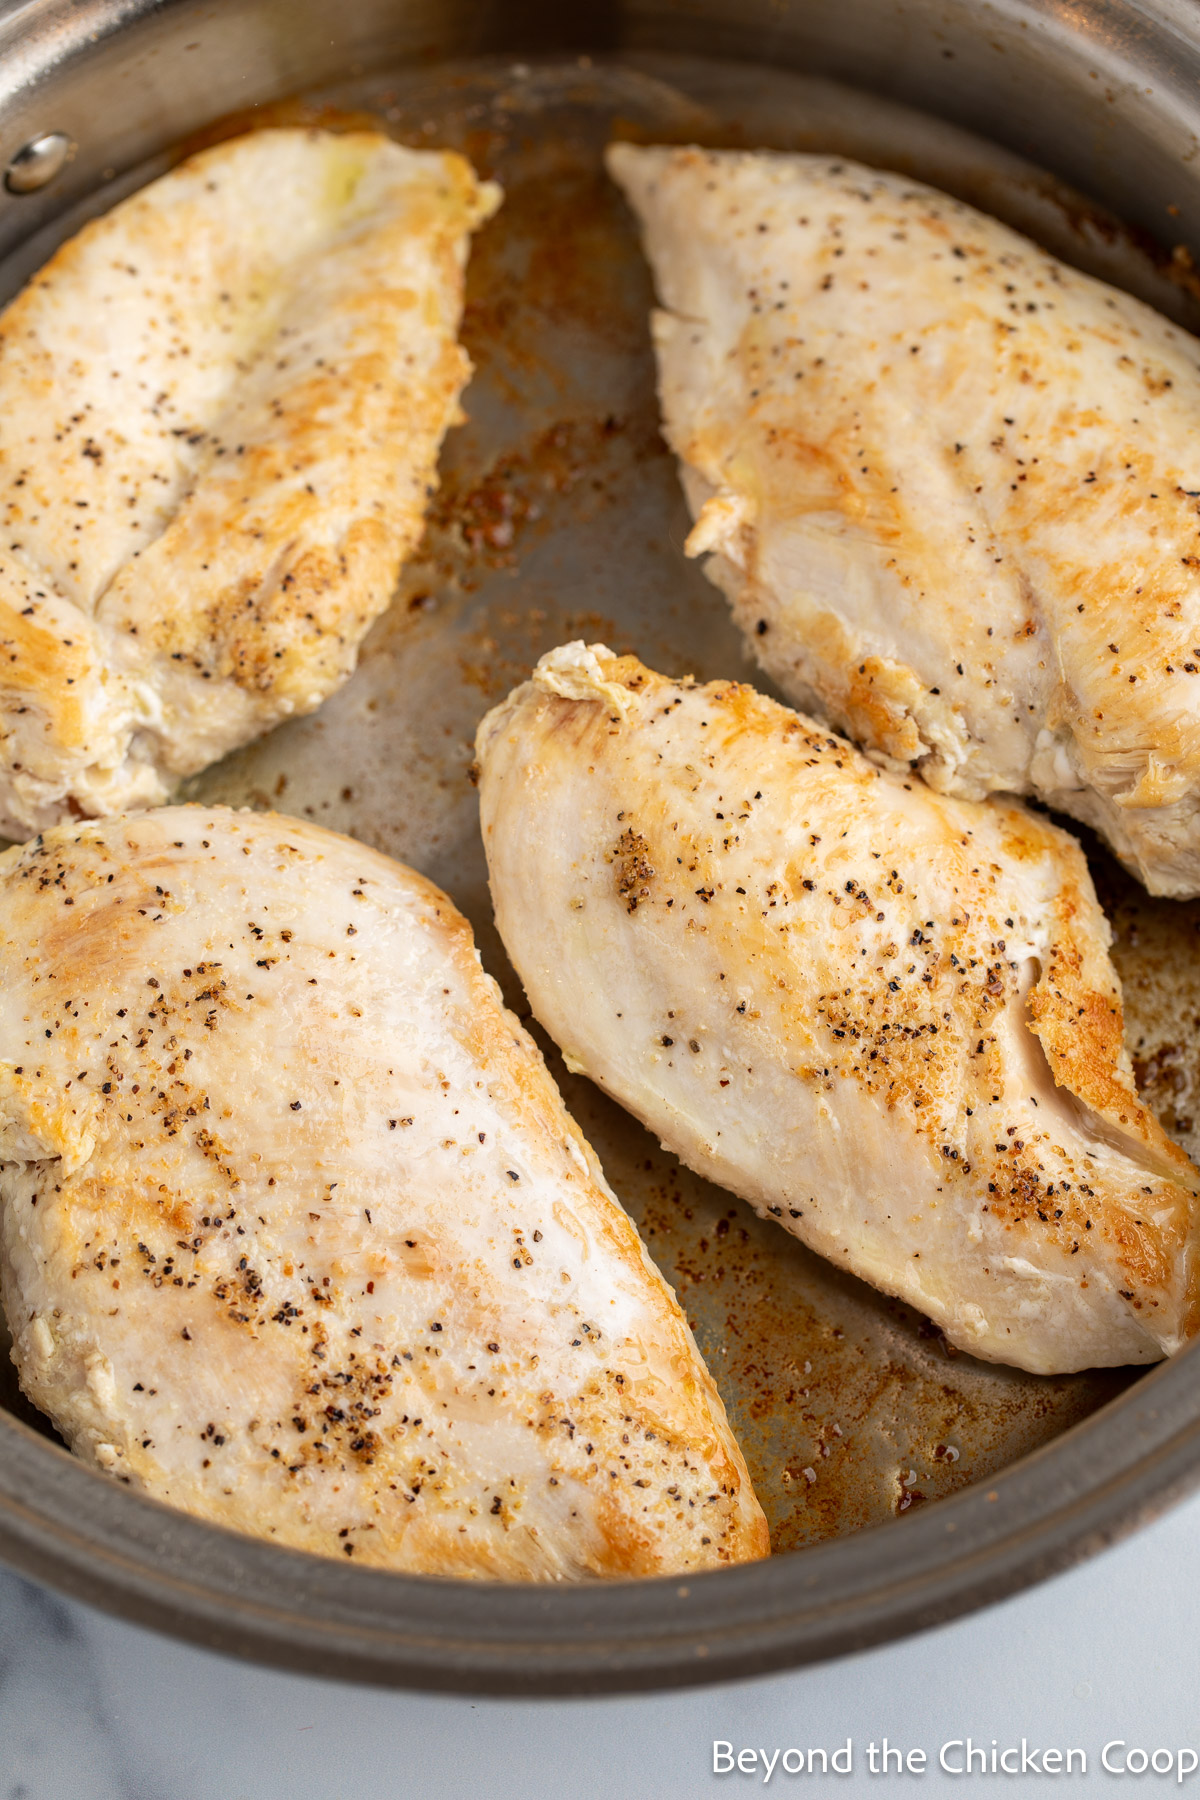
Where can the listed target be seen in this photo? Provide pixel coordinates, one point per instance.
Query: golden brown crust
(223, 406)
(949, 481)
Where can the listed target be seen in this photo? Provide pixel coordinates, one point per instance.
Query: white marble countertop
(93, 1709)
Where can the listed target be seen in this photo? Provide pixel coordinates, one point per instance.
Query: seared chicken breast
(220, 413)
(882, 1015)
(298, 1235)
(950, 486)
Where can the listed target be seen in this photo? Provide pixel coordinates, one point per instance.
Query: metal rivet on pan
(38, 162)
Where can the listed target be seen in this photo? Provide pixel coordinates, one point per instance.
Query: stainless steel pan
(904, 1484)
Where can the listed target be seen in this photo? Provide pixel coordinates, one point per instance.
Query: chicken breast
(950, 486)
(220, 413)
(298, 1235)
(882, 1015)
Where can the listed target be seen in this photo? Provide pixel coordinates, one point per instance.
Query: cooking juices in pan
(560, 517)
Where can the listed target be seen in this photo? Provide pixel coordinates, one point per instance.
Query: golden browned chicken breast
(951, 486)
(298, 1235)
(884, 1016)
(220, 413)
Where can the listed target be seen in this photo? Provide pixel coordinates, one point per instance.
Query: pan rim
(78, 1531)
(103, 1544)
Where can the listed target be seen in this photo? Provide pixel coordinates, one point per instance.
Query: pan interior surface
(560, 516)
